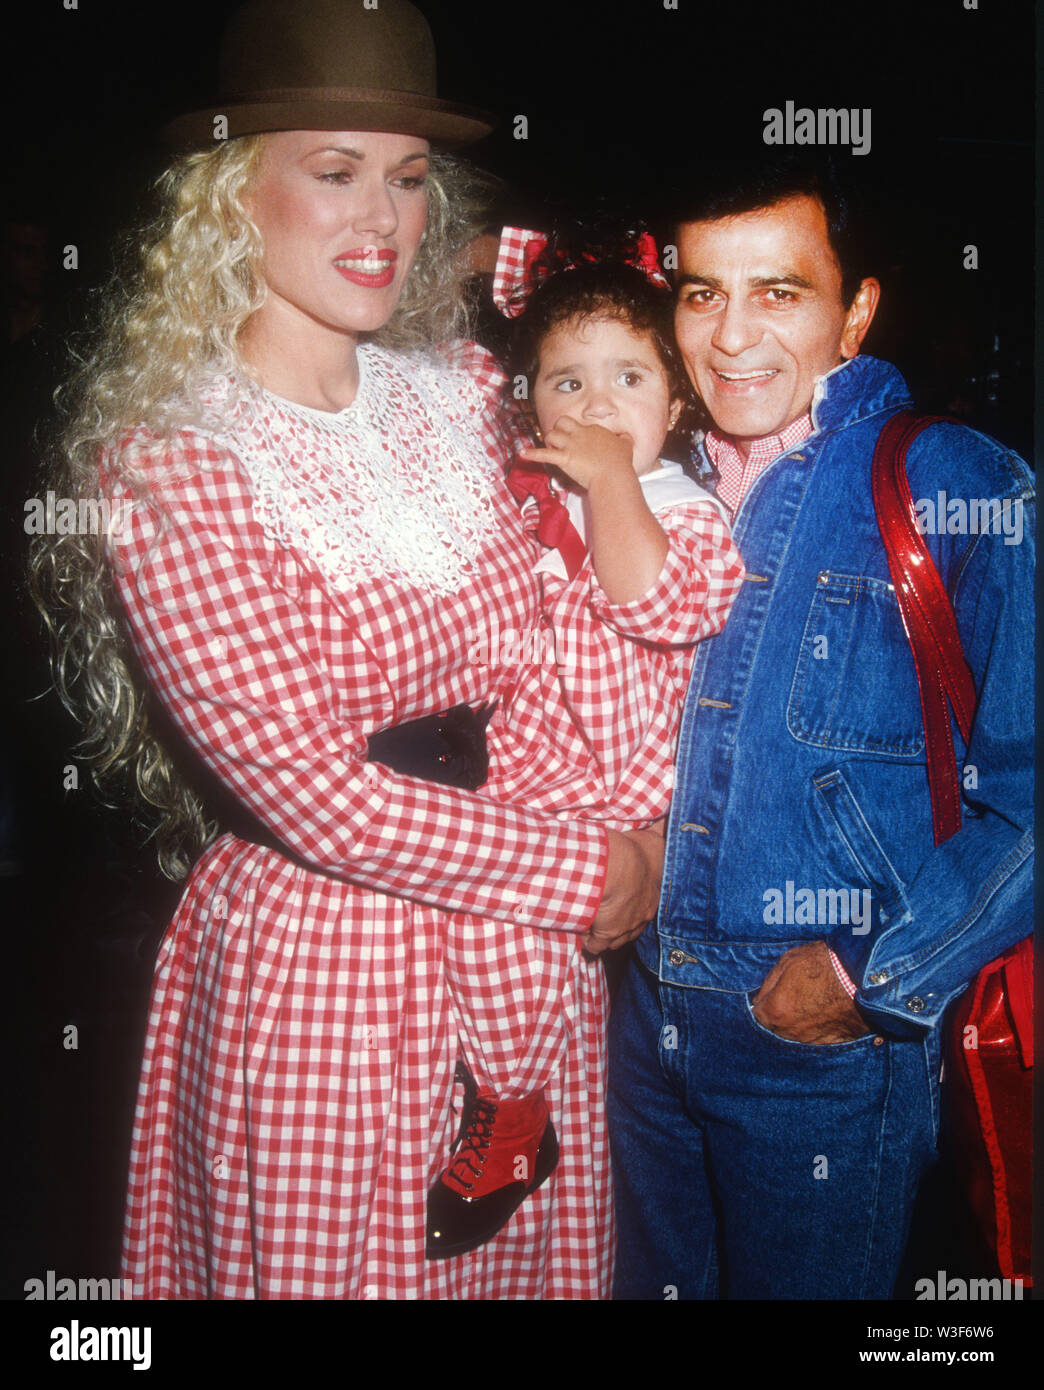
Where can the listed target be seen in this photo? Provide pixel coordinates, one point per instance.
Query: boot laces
(475, 1142)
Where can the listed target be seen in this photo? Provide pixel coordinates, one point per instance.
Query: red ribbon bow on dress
(554, 528)
(514, 278)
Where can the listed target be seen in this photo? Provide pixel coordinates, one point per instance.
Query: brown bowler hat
(328, 65)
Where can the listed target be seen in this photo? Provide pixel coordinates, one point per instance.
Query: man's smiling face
(759, 315)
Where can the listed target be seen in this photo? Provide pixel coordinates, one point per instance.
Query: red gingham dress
(619, 672)
(296, 1098)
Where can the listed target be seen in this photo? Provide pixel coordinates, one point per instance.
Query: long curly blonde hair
(169, 319)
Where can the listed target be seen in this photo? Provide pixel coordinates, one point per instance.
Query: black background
(623, 104)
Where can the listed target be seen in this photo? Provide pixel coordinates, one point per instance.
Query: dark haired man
(775, 1054)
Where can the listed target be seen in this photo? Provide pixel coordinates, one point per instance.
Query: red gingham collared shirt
(736, 476)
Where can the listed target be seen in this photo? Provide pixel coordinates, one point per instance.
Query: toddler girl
(640, 567)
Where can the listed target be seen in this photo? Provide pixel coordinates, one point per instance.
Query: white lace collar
(397, 486)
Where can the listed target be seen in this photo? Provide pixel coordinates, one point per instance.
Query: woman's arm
(232, 657)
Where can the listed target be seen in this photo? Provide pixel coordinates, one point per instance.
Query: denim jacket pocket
(855, 686)
(850, 829)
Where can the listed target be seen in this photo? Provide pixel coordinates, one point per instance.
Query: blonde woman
(318, 533)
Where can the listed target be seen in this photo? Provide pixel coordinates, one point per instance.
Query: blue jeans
(748, 1166)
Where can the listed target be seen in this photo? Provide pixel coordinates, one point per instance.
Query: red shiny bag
(990, 1050)
(990, 1077)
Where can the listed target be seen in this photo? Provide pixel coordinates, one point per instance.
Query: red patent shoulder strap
(943, 676)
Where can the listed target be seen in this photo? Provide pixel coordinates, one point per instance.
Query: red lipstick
(367, 266)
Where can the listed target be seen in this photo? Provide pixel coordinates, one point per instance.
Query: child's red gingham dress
(619, 672)
(296, 1094)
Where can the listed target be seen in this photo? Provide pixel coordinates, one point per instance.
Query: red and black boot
(505, 1149)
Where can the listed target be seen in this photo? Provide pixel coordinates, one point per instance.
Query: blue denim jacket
(801, 810)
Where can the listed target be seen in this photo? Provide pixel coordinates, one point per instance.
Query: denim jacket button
(676, 957)
(915, 1005)
(878, 977)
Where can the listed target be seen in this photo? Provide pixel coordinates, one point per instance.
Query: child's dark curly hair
(575, 285)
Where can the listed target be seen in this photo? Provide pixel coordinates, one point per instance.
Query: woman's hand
(632, 889)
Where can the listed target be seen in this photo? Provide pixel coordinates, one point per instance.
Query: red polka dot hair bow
(516, 274)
